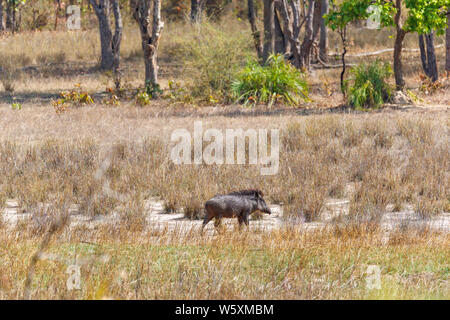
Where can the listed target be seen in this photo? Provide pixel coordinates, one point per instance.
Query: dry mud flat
(13, 215)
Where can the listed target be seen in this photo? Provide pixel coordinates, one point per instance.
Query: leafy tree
(421, 16)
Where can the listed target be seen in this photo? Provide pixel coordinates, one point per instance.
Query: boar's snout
(262, 206)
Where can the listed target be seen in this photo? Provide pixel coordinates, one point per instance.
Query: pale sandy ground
(157, 219)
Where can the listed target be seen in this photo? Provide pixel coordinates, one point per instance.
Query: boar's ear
(260, 194)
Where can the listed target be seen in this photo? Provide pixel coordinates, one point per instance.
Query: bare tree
(291, 15)
(1, 16)
(150, 35)
(269, 29)
(323, 42)
(282, 8)
(110, 44)
(255, 32)
(428, 55)
(309, 36)
(11, 23)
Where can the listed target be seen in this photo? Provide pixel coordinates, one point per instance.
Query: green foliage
(370, 88)
(426, 15)
(422, 15)
(340, 15)
(277, 80)
(143, 98)
(150, 92)
(16, 106)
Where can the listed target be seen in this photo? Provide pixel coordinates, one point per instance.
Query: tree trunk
(343, 35)
(447, 45)
(196, 10)
(428, 56)
(423, 55)
(1, 16)
(282, 8)
(279, 36)
(398, 68)
(431, 56)
(150, 35)
(110, 45)
(398, 46)
(117, 38)
(323, 42)
(294, 36)
(57, 9)
(255, 32)
(309, 37)
(269, 29)
(317, 21)
(10, 16)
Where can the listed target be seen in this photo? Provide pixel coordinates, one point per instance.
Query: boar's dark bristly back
(250, 192)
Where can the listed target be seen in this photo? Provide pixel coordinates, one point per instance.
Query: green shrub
(150, 92)
(370, 88)
(275, 81)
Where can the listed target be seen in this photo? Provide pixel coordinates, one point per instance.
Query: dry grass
(50, 161)
(124, 264)
(389, 158)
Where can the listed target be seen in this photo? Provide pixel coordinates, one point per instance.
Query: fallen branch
(374, 53)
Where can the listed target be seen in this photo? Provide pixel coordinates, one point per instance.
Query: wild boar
(240, 204)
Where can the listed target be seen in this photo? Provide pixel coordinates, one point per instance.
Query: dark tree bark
(196, 10)
(398, 47)
(279, 36)
(343, 35)
(10, 16)
(269, 29)
(323, 42)
(431, 56)
(1, 16)
(110, 44)
(255, 32)
(150, 35)
(447, 46)
(423, 54)
(428, 56)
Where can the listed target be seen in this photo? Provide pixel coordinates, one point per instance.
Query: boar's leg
(206, 220)
(240, 220)
(245, 217)
(217, 222)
